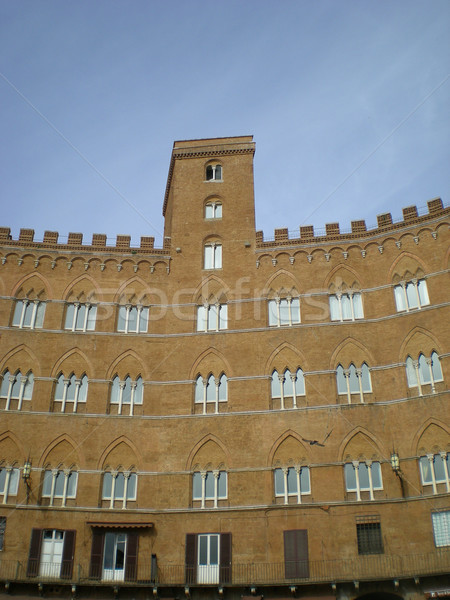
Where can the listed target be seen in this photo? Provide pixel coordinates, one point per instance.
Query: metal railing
(370, 567)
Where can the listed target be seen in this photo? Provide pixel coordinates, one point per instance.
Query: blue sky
(348, 102)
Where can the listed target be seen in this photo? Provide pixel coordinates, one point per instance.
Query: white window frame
(338, 306)
(9, 482)
(212, 255)
(282, 477)
(216, 172)
(411, 295)
(63, 393)
(22, 311)
(358, 488)
(203, 394)
(212, 317)
(217, 494)
(441, 528)
(114, 574)
(415, 371)
(134, 318)
(282, 384)
(129, 493)
(216, 209)
(428, 472)
(80, 317)
(50, 484)
(52, 567)
(347, 385)
(8, 388)
(119, 393)
(278, 307)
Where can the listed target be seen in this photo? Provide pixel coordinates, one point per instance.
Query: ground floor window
(368, 533)
(208, 558)
(296, 553)
(51, 553)
(114, 555)
(441, 528)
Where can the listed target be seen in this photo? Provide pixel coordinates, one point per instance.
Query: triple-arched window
(211, 391)
(16, 386)
(127, 392)
(411, 295)
(353, 381)
(29, 314)
(424, 371)
(119, 487)
(71, 390)
(287, 387)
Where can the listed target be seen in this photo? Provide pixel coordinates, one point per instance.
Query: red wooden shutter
(225, 558)
(131, 558)
(95, 567)
(68, 554)
(296, 554)
(191, 557)
(34, 554)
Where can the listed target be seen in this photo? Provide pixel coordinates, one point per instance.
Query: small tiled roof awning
(120, 524)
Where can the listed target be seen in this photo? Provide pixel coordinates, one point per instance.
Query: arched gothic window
(353, 381)
(71, 390)
(211, 391)
(16, 387)
(287, 387)
(127, 393)
(424, 371)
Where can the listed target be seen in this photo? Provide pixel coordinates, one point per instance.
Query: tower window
(214, 173)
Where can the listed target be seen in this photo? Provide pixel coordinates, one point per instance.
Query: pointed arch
(144, 288)
(285, 347)
(92, 284)
(113, 445)
(344, 352)
(76, 454)
(71, 353)
(201, 443)
(421, 434)
(35, 274)
(414, 342)
(284, 276)
(410, 261)
(367, 438)
(211, 285)
(218, 360)
(290, 433)
(33, 362)
(352, 276)
(9, 438)
(138, 366)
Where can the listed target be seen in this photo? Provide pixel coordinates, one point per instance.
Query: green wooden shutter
(95, 566)
(191, 558)
(34, 554)
(296, 554)
(225, 558)
(131, 558)
(68, 554)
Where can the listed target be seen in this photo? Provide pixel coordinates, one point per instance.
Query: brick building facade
(226, 415)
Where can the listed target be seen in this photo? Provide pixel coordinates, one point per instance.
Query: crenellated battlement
(75, 242)
(332, 231)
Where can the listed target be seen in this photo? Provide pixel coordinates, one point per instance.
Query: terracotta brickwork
(168, 371)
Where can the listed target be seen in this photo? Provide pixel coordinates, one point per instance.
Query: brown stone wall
(167, 435)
